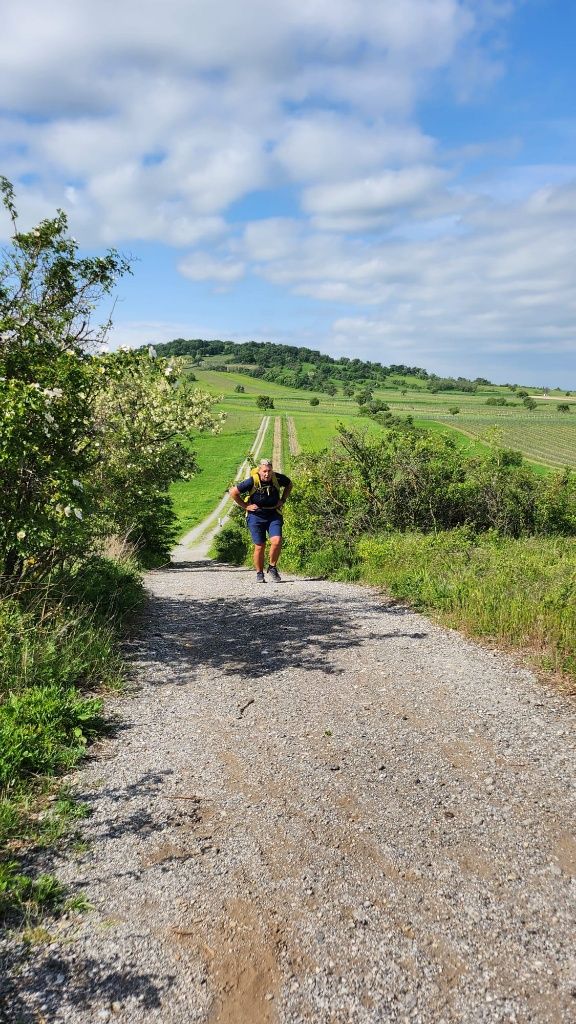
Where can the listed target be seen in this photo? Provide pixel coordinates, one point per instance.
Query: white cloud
(365, 201)
(501, 280)
(328, 146)
(198, 267)
(189, 105)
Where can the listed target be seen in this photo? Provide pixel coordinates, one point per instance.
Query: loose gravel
(318, 807)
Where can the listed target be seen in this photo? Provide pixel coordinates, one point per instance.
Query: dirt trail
(277, 452)
(320, 809)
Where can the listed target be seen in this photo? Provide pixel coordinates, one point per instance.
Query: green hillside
(312, 393)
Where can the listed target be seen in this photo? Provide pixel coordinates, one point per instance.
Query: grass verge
(58, 650)
(519, 592)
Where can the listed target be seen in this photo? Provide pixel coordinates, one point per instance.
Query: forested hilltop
(305, 367)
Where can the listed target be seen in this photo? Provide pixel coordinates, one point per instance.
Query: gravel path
(320, 808)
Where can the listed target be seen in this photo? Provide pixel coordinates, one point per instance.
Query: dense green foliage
(232, 543)
(411, 479)
(89, 443)
(305, 368)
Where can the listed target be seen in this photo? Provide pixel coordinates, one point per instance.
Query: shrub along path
(321, 808)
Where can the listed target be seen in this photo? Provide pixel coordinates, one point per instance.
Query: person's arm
(285, 494)
(238, 499)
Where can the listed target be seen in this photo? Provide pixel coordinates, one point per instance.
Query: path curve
(321, 809)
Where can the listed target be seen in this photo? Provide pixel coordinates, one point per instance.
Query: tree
(89, 442)
(314, 401)
(47, 294)
(363, 397)
(240, 389)
(145, 410)
(563, 406)
(264, 402)
(529, 403)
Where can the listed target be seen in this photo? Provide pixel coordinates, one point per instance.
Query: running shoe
(274, 574)
(260, 577)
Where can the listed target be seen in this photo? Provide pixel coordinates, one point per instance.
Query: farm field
(218, 456)
(545, 436)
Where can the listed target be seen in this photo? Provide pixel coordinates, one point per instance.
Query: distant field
(546, 437)
(218, 456)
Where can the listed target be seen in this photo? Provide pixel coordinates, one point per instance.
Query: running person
(267, 491)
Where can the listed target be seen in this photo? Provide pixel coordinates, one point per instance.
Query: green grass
(55, 644)
(545, 436)
(218, 456)
(520, 592)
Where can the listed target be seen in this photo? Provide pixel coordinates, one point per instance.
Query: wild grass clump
(520, 591)
(58, 648)
(231, 544)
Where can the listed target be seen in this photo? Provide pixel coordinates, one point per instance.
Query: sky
(388, 179)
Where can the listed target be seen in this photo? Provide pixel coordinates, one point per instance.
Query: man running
(267, 491)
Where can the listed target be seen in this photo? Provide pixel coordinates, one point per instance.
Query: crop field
(546, 437)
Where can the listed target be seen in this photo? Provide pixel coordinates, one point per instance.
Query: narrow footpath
(319, 808)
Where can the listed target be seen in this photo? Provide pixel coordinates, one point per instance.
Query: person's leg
(258, 556)
(275, 534)
(258, 534)
(275, 549)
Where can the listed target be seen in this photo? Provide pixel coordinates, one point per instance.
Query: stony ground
(318, 808)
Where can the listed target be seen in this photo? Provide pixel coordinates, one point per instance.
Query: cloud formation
(171, 124)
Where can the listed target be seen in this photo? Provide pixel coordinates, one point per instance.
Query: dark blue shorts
(259, 527)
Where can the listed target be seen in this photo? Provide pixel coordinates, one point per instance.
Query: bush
(563, 406)
(231, 544)
(264, 402)
(314, 401)
(414, 480)
(240, 389)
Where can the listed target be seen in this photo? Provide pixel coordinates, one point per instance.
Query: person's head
(265, 470)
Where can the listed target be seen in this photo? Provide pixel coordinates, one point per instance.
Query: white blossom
(21, 534)
(68, 510)
(78, 513)
(152, 352)
(76, 483)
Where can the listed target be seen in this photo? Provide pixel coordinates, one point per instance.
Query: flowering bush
(88, 443)
(47, 292)
(144, 411)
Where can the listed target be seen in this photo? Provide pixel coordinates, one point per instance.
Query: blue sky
(390, 180)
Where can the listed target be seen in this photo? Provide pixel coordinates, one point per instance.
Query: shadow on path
(263, 631)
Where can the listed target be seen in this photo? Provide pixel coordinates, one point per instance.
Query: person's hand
(251, 507)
